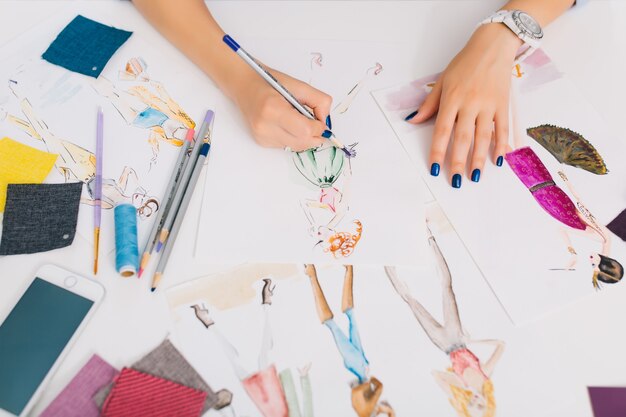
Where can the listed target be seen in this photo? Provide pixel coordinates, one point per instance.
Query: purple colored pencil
(97, 207)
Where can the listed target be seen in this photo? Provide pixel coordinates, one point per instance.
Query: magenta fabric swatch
(608, 401)
(535, 176)
(76, 398)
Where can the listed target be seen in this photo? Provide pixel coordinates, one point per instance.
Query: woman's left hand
(472, 100)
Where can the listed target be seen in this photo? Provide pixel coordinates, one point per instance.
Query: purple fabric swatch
(76, 398)
(608, 401)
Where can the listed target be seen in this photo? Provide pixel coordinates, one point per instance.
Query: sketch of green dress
(569, 147)
(320, 166)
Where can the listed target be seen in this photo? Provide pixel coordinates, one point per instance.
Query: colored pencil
(182, 185)
(248, 59)
(169, 244)
(97, 197)
(170, 190)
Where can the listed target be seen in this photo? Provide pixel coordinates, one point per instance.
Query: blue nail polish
(499, 161)
(410, 116)
(476, 175)
(434, 169)
(456, 181)
(329, 124)
(327, 134)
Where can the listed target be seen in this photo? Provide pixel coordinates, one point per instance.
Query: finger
(428, 108)
(482, 141)
(502, 135)
(316, 100)
(309, 132)
(297, 144)
(441, 138)
(463, 136)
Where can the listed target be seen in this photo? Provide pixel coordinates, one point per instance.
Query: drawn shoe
(202, 314)
(268, 291)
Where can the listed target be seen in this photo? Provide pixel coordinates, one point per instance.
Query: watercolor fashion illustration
(535, 176)
(467, 382)
(148, 107)
(323, 168)
(273, 394)
(78, 164)
(366, 390)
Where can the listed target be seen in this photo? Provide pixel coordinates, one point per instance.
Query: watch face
(529, 25)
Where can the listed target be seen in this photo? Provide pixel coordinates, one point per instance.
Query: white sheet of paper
(259, 207)
(400, 354)
(513, 240)
(137, 160)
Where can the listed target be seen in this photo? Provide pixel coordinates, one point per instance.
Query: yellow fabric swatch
(22, 164)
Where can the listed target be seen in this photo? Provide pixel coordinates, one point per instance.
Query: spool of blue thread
(126, 245)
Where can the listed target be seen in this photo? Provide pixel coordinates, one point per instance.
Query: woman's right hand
(273, 121)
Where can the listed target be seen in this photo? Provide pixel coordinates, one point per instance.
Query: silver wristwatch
(522, 24)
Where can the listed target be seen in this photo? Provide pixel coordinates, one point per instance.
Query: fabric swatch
(22, 164)
(39, 217)
(76, 398)
(165, 361)
(136, 394)
(618, 225)
(608, 401)
(85, 46)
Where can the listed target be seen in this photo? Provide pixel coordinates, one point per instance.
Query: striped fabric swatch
(136, 394)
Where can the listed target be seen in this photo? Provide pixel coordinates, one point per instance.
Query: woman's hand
(472, 100)
(273, 121)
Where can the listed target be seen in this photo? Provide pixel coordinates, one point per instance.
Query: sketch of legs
(445, 337)
(286, 380)
(267, 342)
(350, 346)
(344, 104)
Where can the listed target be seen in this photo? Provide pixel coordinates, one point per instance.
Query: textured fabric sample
(85, 46)
(618, 225)
(135, 394)
(21, 164)
(608, 401)
(76, 398)
(165, 361)
(39, 217)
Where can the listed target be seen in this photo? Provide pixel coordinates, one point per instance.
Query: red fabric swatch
(136, 394)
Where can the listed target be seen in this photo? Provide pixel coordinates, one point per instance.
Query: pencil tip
(159, 246)
(140, 272)
(152, 289)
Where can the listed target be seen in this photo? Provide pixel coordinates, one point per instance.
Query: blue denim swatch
(85, 46)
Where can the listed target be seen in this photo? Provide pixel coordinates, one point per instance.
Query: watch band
(513, 20)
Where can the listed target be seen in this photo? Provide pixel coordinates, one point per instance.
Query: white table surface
(588, 44)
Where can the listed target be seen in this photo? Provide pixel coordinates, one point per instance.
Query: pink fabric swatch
(136, 394)
(76, 398)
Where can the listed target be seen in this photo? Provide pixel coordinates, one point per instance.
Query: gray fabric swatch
(39, 217)
(165, 361)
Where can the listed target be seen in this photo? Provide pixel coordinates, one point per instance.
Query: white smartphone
(38, 331)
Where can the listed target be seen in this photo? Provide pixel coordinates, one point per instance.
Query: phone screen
(33, 336)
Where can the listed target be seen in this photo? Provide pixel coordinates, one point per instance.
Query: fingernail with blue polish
(499, 161)
(476, 175)
(329, 124)
(410, 116)
(327, 134)
(456, 181)
(434, 169)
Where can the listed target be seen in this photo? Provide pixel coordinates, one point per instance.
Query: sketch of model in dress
(345, 103)
(149, 107)
(326, 168)
(535, 176)
(467, 382)
(366, 389)
(274, 395)
(76, 163)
